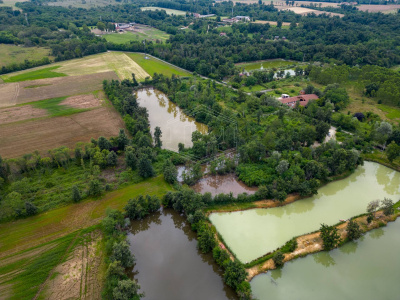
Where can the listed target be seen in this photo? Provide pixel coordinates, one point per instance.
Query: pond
(367, 269)
(168, 264)
(253, 233)
(176, 126)
(217, 184)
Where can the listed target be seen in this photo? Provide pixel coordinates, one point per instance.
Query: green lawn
(54, 108)
(154, 65)
(167, 10)
(152, 34)
(391, 112)
(10, 54)
(266, 64)
(33, 75)
(254, 88)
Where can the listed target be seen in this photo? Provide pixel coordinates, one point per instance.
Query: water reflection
(324, 259)
(377, 233)
(168, 263)
(370, 272)
(175, 125)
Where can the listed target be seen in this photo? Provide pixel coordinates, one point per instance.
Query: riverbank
(312, 242)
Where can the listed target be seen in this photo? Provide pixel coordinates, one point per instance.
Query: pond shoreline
(312, 242)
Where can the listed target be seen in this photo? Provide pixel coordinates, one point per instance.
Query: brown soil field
(379, 8)
(61, 86)
(20, 113)
(8, 92)
(82, 101)
(49, 133)
(272, 23)
(305, 11)
(77, 277)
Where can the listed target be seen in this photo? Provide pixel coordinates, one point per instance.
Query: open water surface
(168, 264)
(253, 233)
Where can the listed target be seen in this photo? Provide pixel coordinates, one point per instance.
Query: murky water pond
(168, 264)
(252, 233)
(176, 126)
(217, 184)
(367, 269)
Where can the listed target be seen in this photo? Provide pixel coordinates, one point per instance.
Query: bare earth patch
(82, 101)
(8, 94)
(20, 113)
(49, 133)
(379, 8)
(77, 277)
(62, 86)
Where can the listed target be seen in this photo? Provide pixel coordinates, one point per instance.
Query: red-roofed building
(303, 99)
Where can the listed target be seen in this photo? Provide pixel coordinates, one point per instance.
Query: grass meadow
(167, 10)
(10, 54)
(33, 75)
(154, 65)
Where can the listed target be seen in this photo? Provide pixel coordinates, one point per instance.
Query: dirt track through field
(17, 139)
(62, 86)
(77, 277)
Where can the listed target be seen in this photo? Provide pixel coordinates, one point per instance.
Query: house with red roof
(303, 99)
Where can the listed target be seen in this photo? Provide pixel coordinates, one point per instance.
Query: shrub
(278, 259)
(330, 236)
(122, 253)
(205, 241)
(235, 274)
(353, 230)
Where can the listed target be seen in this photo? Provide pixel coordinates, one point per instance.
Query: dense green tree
(387, 206)
(112, 159)
(157, 137)
(122, 253)
(170, 172)
(392, 151)
(353, 230)
(329, 236)
(123, 140)
(145, 168)
(235, 274)
(76, 194)
(126, 290)
(278, 259)
(94, 188)
(205, 238)
(30, 208)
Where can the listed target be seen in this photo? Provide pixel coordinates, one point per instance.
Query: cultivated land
(167, 10)
(82, 4)
(44, 134)
(154, 65)
(390, 8)
(117, 62)
(10, 54)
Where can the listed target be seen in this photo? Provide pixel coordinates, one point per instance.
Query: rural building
(123, 26)
(196, 15)
(222, 34)
(233, 20)
(302, 99)
(243, 18)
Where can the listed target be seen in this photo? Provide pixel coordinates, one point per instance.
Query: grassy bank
(25, 233)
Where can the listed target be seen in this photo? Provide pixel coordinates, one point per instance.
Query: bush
(140, 207)
(221, 256)
(278, 259)
(94, 188)
(330, 236)
(353, 230)
(126, 290)
(235, 274)
(205, 237)
(76, 195)
(122, 253)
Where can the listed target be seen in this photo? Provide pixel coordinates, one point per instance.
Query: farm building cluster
(303, 99)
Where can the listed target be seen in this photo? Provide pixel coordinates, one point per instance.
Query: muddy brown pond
(168, 264)
(175, 125)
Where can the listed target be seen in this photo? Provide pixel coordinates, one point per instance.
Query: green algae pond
(253, 233)
(367, 269)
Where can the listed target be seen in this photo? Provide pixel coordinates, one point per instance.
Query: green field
(10, 54)
(167, 10)
(152, 34)
(33, 75)
(36, 230)
(390, 112)
(54, 108)
(266, 64)
(154, 65)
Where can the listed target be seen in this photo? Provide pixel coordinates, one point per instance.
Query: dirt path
(311, 243)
